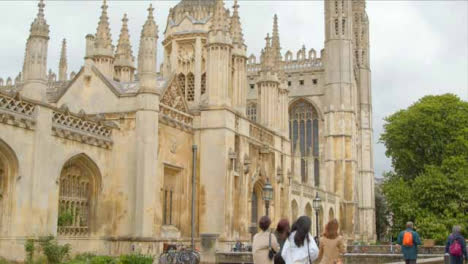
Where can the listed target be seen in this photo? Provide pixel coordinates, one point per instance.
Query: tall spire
(63, 62)
(147, 53)
(123, 54)
(103, 42)
(275, 41)
(39, 27)
(219, 19)
(236, 29)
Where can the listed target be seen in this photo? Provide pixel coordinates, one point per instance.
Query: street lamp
(316, 205)
(267, 195)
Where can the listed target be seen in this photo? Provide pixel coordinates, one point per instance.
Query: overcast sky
(417, 47)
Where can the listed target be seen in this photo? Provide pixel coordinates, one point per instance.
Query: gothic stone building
(102, 158)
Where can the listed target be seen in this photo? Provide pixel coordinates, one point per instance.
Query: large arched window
(304, 135)
(8, 172)
(252, 111)
(79, 182)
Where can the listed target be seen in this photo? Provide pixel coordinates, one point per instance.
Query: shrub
(135, 259)
(54, 252)
(29, 248)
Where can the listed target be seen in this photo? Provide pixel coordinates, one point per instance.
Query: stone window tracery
(75, 194)
(190, 87)
(304, 134)
(203, 83)
(181, 82)
(252, 111)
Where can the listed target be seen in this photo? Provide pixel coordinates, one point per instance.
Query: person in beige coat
(263, 241)
(331, 245)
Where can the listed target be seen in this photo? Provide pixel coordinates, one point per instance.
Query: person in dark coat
(282, 233)
(410, 254)
(456, 236)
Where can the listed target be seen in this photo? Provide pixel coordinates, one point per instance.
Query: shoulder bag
(271, 251)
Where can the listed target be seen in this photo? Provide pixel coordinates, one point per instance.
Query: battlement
(289, 64)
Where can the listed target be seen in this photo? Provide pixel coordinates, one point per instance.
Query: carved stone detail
(16, 112)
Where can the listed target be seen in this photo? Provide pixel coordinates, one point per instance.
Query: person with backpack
(456, 246)
(409, 241)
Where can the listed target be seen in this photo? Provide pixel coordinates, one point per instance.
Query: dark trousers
(456, 260)
(410, 261)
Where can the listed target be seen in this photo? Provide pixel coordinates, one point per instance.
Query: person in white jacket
(300, 247)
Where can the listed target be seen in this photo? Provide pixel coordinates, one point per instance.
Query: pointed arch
(294, 211)
(8, 174)
(256, 202)
(331, 214)
(79, 188)
(308, 211)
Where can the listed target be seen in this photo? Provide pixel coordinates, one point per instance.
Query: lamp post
(316, 205)
(267, 195)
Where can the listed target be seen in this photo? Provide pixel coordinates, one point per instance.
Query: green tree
(429, 131)
(428, 145)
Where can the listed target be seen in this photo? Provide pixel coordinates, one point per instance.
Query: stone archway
(8, 174)
(257, 203)
(79, 185)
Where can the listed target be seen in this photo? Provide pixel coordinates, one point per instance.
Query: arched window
(77, 193)
(190, 87)
(8, 174)
(203, 83)
(181, 82)
(317, 172)
(304, 134)
(252, 111)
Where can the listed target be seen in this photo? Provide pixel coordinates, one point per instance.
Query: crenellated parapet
(304, 60)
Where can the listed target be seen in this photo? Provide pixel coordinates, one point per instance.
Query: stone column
(148, 182)
(198, 69)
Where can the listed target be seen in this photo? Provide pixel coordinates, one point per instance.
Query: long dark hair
(302, 228)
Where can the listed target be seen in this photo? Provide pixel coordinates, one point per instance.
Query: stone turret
(63, 62)
(366, 163)
(147, 53)
(275, 41)
(35, 60)
(124, 60)
(147, 203)
(103, 50)
(219, 58)
(239, 76)
(340, 106)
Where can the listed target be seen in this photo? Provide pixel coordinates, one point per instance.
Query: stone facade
(102, 158)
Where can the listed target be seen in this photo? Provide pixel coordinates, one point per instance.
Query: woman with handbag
(331, 245)
(300, 247)
(264, 245)
(282, 233)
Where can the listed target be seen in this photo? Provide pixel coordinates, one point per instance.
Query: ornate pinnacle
(150, 29)
(219, 22)
(275, 43)
(123, 54)
(63, 62)
(236, 29)
(103, 35)
(39, 26)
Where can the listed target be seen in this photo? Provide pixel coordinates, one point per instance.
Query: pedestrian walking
(282, 233)
(264, 244)
(409, 241)
(456, 246)
(300, 247)
(331, 245)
